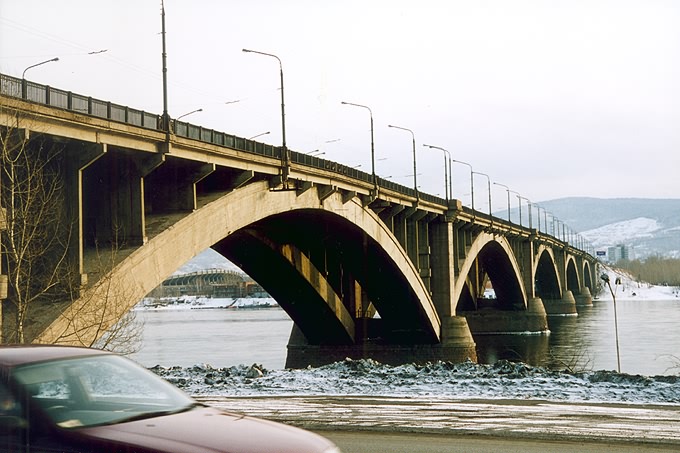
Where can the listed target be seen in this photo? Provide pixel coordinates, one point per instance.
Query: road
(364, 424)
(379, 442)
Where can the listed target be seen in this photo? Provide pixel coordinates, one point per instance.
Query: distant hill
(648, 226)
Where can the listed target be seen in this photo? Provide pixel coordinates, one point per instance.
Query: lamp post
(164, 69)
(528, 208)
(187, 114)
(285, 161)
(173, 123)
(370, 113)
(556, 227)
(447, 174)
(488, 188)
(538, 215)
(519, 205)
(24, 85)
(23, 75)
(507, 190)
(472, 183)
(605, 278)
(259, 135)
(415, 180)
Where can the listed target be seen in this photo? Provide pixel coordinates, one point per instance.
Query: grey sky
(551, 98)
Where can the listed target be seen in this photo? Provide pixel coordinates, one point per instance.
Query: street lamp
(415, 181)
(472, 182)
(370, 112)
(538, 214)
(528, 207)
(605, 278)
(507, 190)
(284, 151)
(447, 175)
(24, 85)
(23, 75)
(259, 135)
(187, 114)
(488, 185)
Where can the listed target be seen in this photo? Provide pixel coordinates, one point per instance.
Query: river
(648, 339)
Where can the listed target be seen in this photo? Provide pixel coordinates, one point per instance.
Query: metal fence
(67, 100)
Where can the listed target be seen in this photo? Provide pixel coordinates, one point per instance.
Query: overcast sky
(551, 98)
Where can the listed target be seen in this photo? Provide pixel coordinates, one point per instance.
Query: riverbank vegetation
(655, 270)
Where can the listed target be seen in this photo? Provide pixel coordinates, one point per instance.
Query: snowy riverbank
(503, 380)
(205, 303)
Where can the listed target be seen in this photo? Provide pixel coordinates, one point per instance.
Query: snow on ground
(502, 380)
(621, 232)
(204, 303)
(629, 289)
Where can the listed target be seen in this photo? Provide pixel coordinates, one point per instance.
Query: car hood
(209, 430)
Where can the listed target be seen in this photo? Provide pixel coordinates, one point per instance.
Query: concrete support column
(78, 160)
(442, 265)
(400, 230)
(457, 343)
(424, 253)
(526, 263)
(412, 240)
(585, 298)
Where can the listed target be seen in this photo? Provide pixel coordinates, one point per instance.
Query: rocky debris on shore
(468, 380)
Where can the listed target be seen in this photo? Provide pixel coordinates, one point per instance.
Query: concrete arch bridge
(363, 266)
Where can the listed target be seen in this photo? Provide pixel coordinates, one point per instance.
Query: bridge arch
(403, 301)
(497, 260)
(588, 277)
(573, 282)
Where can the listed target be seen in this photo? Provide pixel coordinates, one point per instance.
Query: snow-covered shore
(629, 289)
(502, 380)
(204, 303)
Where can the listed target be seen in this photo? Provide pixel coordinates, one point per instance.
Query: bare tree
(35, 237)
(99, 316)
(37, 257)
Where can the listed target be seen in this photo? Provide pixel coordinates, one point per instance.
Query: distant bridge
(364, 267)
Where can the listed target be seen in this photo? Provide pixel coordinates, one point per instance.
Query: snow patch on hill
(622, 232)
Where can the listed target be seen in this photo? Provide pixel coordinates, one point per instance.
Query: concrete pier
(566, 306)
(457, 345)
(492, 321)
(585, 298)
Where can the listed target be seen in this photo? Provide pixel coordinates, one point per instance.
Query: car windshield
(98, 390)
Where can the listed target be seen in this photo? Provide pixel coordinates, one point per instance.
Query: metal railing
(67, 100)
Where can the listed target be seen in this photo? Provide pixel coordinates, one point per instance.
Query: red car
(79, 400)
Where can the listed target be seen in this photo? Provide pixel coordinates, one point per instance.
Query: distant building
(210, 283)
(618, 253)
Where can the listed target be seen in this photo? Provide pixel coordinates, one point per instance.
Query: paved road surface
(377, 442)
(365, 424)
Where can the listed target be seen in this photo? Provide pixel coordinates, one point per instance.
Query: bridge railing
(67, 100)
(86, 105)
